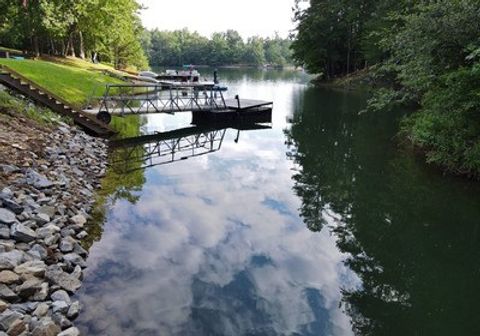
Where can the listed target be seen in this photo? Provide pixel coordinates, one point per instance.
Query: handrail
(36, 85)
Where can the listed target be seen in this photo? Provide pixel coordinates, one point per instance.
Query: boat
(189, 75)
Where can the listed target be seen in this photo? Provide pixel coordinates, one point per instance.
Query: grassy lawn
(73, 80)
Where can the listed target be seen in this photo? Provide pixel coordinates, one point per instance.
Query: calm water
(321, 225)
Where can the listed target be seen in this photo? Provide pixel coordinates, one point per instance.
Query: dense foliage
(105, 29)
(429, 56)
(184, 47)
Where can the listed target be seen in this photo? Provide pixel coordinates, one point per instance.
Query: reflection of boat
(167, 147)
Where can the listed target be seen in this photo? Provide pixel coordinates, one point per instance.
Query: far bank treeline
(108, 29)
(222, 48)
(426, 55)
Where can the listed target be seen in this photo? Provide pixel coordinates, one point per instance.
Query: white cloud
(248, 17)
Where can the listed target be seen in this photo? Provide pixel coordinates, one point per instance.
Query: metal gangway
(125, 99)
(202, 99)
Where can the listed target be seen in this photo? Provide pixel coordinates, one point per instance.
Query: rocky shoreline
(48, 178)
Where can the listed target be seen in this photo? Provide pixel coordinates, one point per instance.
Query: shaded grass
(17, 107)
(75, 81)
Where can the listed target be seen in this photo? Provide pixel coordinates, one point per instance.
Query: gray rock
(12, 206)
(38, 251)
(41, 218)
(6, 193)
(7, 245)
(42, 310)
(8, 277)
(78, 249)
(61, 320)
(79, 220)
(82, 235)
(48, 210)
(24, 308)
(7, 294)
(77, 272)
(42, 294)
(67, 232)
(29, 287)
(70, 332)
(35, 267)
(7, 217)
(7, 318)
(61, 295)
(10, 260)
(74, 310)
(74, 259)
(58, 277)
(22, 233)
(4, 306)
(37, 180)
(67, 244)
(60, 307)
(4, 232)
(52, 239)
(46, 327)
(47, 231)
(9, 169)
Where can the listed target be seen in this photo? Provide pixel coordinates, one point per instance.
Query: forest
(223, 48)
(422, 55)
(105, 30)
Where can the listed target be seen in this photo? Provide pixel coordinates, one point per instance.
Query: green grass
(75, 81)
(15, 106)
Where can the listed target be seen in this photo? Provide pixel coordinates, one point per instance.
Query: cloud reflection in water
(215, 246)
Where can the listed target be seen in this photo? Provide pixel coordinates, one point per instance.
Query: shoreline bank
(48, 179)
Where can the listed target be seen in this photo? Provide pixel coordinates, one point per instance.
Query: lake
(324, 224)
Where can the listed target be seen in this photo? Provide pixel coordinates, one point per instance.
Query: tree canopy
(108, 29)
(427, 54)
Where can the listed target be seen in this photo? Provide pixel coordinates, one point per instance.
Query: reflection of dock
(167, 147)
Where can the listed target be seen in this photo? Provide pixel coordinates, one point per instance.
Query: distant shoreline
(231, 66)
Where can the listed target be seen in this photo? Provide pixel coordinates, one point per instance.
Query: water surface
(322, 225)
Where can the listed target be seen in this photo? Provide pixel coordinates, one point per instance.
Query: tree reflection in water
(412, 234)
(117, 185)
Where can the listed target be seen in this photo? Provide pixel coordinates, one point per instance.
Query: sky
(248, 17)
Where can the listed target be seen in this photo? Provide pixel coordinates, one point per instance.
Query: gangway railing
(160, 98)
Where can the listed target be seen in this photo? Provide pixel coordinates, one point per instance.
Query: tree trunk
(64, 50)
(349, 50)
(70, 47)
(36, 49)
(52, 47)
(81, 46)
